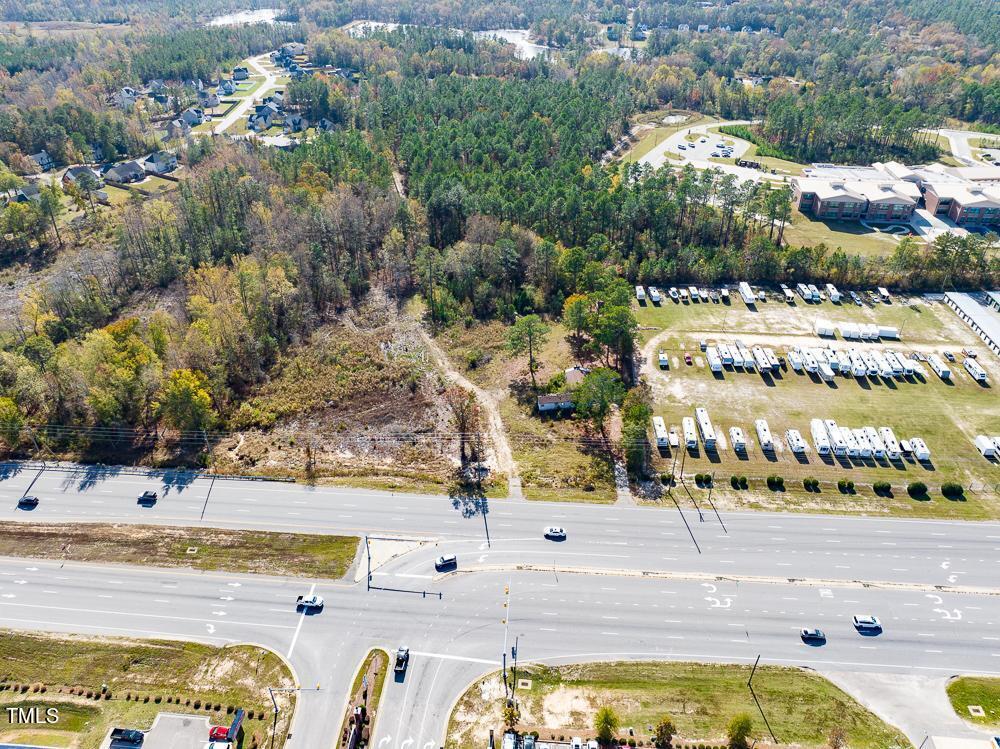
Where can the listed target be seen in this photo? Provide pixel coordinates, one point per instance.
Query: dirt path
(489, 401)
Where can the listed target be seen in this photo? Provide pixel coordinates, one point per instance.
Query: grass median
(95, 684)
(976, 692)
(284, 554)
(802, 707)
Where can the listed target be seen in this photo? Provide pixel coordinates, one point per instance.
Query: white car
(445, 562)
(555, 533)
(682, 147)
(867, 623)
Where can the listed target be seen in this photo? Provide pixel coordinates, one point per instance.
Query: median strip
(711, 577)
(240, 551)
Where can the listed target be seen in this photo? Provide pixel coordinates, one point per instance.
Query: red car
(219, 733)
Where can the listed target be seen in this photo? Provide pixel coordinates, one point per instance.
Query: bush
(916, 489)
(739, 731)
(882, 488)
(811, 484)
(734, 481)
(776, 483)
(952, 489)
(842, 486)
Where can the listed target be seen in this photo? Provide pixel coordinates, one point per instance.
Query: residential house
(296, 123)
(227, 87)
(77, 174)
(156, 86)
(277, 98)
(292, 49)
(127, 171)
(178, 129)
(555, 402)
(208, 99)
(43, 161)
(125, 98)
(241, 74)
(326, 125)
(161, 162)
(30, 191)
(264, 116)
(96, 152)
(193, 116)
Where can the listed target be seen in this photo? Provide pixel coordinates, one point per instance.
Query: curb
(710, 577)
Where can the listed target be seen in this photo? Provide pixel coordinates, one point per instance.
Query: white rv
(660, 431)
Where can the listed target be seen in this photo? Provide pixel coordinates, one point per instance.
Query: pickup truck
(309, 602)
(126, 737)
(402, 659)
(148, 498)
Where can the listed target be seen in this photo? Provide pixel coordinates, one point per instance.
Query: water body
(241, 17)
(526, 49)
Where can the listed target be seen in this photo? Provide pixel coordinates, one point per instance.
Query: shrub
(882, 488)
(734, 481)
(811, 484)
(743, 482)
(197, 706)
(775, 483)
(952, 489)
(916, 489)
(739, 731)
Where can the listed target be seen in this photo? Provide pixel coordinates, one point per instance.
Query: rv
(654, 295)
(864, 446)
(673, 293)
(878, 447)
(795, 442)
(804, 292)
(737, 356)
(640, 293)
(684, 295)
(820, 438)
(693, 292)
(660, 431)
(690, 435)
(725, 354)
(738, 439)
(919, 447)
(939, 367)
(853, 448)
(772, 359)
(985, 446)
(824, 328)
(809, 359)
(973, 368)
(890, 442)
(837, 442)
(795, 360)
(764, 435)
(664, 360)
(748, 360)
(763, 365)
(832, 292)
(789, 296)
(724, 293)
(813, 292)
(747, 293)
(887, 331)
(706, 428)
(825, 372)
(714, 360)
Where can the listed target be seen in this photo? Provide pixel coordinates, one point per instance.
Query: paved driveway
(177, 732)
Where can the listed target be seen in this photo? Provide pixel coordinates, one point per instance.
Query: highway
(722, 589)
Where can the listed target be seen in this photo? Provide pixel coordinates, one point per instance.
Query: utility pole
(506, 627)
(757, 702)
(368, 561)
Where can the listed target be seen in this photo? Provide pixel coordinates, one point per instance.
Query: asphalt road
(453, 623)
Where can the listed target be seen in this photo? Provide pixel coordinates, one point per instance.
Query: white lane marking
(135, 614)
(298, 628)
(463, 658)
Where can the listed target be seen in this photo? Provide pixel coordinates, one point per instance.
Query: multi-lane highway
(627, 583)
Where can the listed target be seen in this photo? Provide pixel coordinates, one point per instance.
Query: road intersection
(629, 583)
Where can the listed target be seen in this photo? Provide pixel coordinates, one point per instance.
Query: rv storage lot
(946, 416)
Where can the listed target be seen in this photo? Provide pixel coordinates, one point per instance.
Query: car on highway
(446, 562)
(27, 502)
(147, 498)
(555, 533)
(867, 623)
(812, 635)
(309, 603)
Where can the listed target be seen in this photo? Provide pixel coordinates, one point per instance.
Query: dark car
(949, 356)
(27, 502)
(148, 498)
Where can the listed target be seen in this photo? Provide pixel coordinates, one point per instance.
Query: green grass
(290, 554)
(781, 166)
(946, 416)
(985, 692)
(143, 679)
(374, 690)
(851, 236)
(802, 707)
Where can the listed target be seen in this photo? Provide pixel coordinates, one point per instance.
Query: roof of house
(126, 168)
(161, 156)
(544, 400)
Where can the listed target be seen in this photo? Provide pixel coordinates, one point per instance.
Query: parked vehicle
(121, 737)
(687, 359)
(148, 498)
(218, 733)
(309, 602)
(949, 356)
(402, 660)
